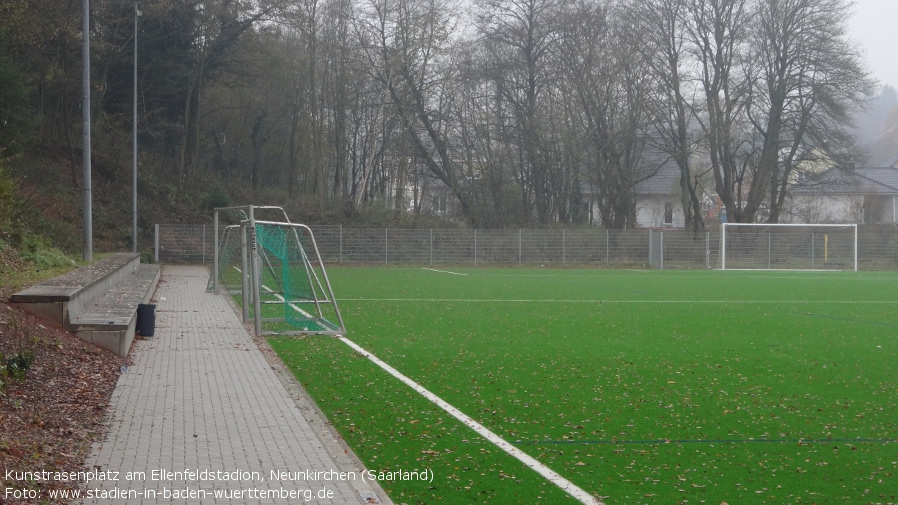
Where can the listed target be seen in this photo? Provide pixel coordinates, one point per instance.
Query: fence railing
(184, 243)
(667, 249)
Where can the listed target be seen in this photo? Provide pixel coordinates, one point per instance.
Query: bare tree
(405, 43)
(217, 30)
(607, 78)
(520, 36)
(807, 78)
(717, 32)
(659, 27)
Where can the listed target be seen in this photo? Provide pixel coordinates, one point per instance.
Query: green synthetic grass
(638, 386)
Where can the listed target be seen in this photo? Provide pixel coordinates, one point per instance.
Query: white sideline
(444, 271)
(281, 298)
(566, 485)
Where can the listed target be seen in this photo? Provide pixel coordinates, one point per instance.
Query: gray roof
(657, 174)
(665, 179)
(881, 180)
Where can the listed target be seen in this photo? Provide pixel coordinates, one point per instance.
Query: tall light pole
(87, 210)
(134, 178)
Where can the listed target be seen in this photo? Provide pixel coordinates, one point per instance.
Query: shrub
(18, 364)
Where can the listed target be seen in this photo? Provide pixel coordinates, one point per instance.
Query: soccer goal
(275, 270)
(756, 246)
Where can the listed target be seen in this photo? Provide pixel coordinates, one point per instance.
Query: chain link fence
(184, 243)
(663, 249)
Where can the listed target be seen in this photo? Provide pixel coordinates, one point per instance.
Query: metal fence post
(215, 253)
(431, 247)
(386, 246)
(520, 250)
(341, 244)
(708, 250)
(156, 242)
(723, 246)
(813, 252)
(607, 247)
(475, 247)
(563, 248)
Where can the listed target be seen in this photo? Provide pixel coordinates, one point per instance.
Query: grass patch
(26, 267)
(642, 387)
(392, 428)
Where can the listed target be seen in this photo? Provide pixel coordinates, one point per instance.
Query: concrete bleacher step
(63, 298)
(98, 302)
(111, 320)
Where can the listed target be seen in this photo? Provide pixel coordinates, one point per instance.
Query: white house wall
(806, 209)
(650, 212)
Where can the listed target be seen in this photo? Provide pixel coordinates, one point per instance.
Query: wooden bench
(97, 302)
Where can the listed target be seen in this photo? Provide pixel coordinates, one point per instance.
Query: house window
(439, 204)
(668, 213)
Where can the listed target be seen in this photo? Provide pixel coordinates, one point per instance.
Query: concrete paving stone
(200, 396)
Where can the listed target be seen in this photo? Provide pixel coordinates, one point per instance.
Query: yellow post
(825, 249)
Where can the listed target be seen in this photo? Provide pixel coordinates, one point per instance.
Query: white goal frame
(725, 226)
(252, 266)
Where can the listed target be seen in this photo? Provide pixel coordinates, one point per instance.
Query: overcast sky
(875, 26)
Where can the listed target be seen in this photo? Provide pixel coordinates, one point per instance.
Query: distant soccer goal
(755, 246)
(276, 269)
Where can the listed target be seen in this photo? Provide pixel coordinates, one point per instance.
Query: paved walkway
(202, 417)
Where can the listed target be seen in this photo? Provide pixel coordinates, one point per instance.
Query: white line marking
(566, 485)
(292, 305)
(444, 271)
(282, 299)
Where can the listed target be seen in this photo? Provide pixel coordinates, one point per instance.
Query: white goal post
(276, 269)
(758, 246)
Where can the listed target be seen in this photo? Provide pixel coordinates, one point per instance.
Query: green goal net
(290, 281)
(288, 277)
(274, 270)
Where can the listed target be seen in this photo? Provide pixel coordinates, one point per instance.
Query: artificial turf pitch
(637, 386)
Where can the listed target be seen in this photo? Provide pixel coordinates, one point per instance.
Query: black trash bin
(146, 319)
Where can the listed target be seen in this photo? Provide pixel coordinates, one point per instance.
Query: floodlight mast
(86, 186)
(134, 161)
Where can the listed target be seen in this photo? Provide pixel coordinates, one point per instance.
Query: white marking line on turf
(444, 271)
(553, 477)
(292, 305)
(566, 485)
(281, 298)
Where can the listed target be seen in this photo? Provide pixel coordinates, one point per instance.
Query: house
(658, 203)
(659, 199)
(864, 195)
(658, 195)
